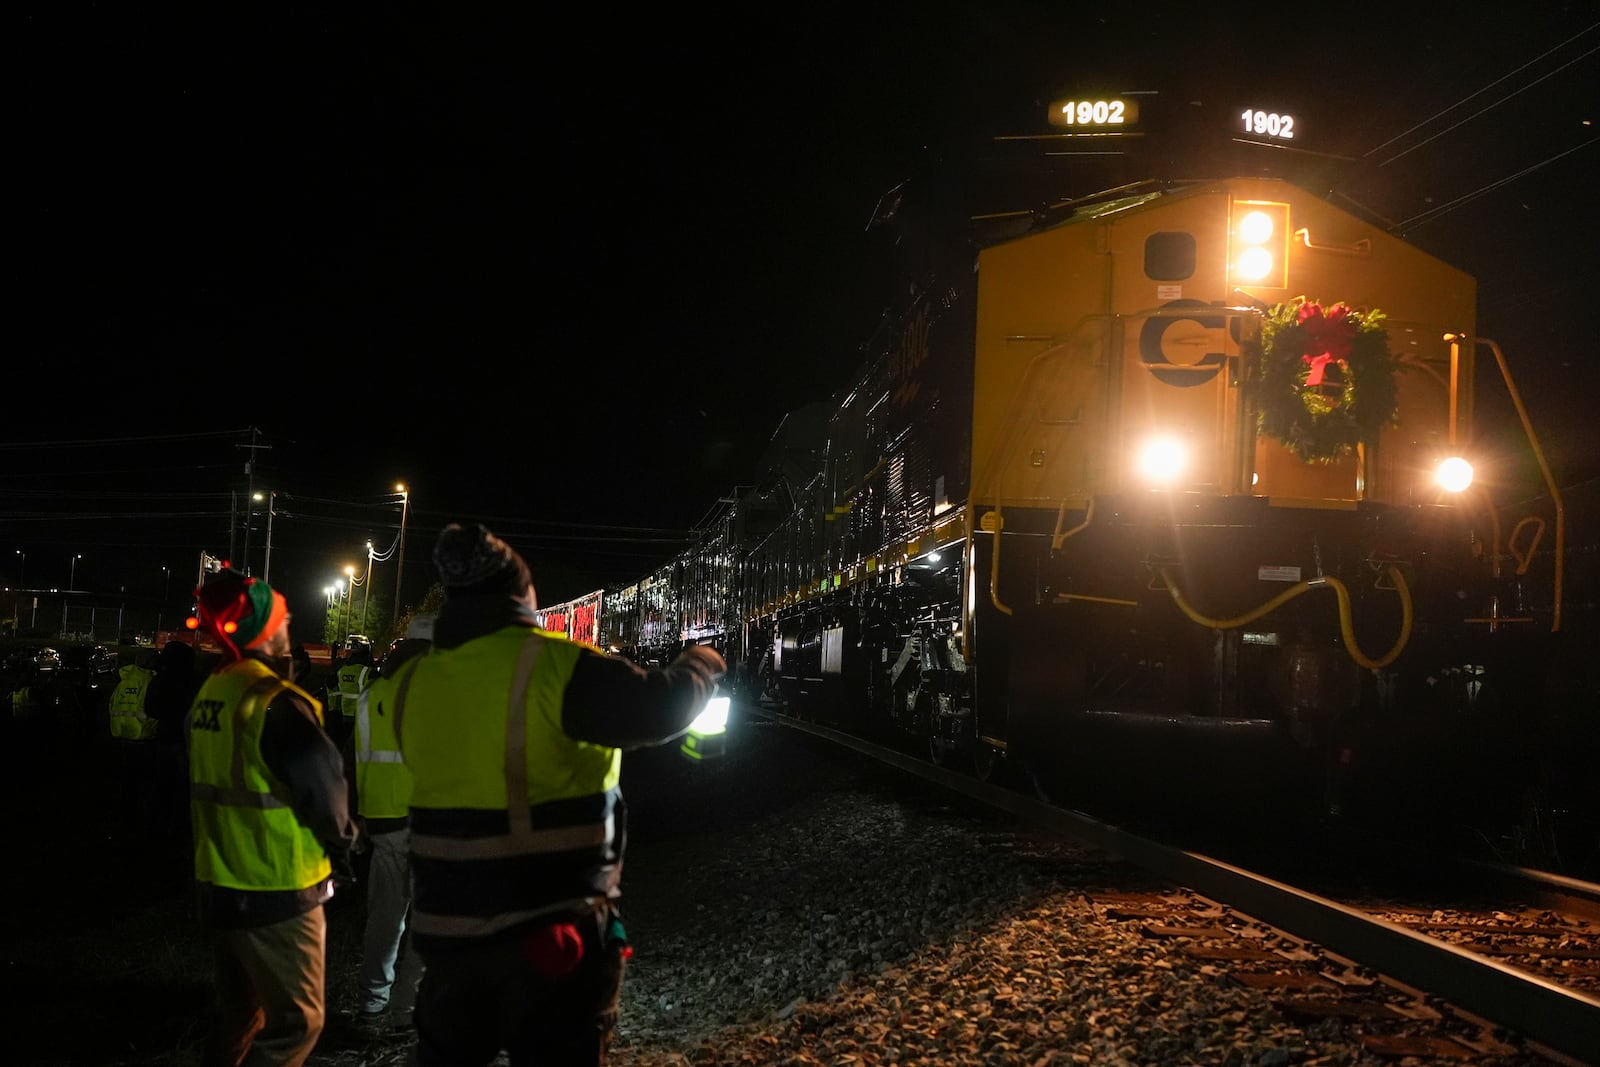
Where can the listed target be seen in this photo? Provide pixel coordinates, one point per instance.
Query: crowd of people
(476, 770)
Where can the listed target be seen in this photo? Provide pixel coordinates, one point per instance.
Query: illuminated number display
(1268, 124)
(1094, 114)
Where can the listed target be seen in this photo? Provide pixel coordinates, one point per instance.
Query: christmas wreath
(1325, 378)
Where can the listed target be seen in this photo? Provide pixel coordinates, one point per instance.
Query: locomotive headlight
(1161, 459)
(1255, 227)
(1254, 264)
(1453, 474)
(1259, 243)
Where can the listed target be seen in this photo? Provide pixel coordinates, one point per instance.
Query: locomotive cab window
(1169, 257)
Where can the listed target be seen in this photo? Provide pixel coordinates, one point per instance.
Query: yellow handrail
(1455, 340)
(1346, 627)
(1524, 559)
(994, 566)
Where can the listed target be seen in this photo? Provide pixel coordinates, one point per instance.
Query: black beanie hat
(472, 561)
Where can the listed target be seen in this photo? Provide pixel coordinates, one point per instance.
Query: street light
(400, 567)
(22, 566)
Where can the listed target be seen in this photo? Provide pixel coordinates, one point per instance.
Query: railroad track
(1521, 960)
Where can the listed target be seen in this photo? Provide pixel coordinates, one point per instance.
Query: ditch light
(708, 734)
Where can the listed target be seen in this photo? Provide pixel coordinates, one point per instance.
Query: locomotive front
(1224, 535)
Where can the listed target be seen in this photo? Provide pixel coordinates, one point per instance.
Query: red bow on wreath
(1330, 334)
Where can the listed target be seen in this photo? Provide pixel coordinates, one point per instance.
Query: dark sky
(566, 274)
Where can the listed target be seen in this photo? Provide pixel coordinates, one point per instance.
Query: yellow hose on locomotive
(1346, 627)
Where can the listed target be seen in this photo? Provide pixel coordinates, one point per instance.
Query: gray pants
(384, 985)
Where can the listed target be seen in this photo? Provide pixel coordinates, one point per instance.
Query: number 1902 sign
(1276, 124)
(1107, 113)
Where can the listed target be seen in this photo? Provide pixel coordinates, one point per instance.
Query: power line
(91, 442)
(1480, 92)
(1448, 206)
(1491, 107)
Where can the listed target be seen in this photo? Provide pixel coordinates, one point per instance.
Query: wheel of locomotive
(946, 752)
(989, 763)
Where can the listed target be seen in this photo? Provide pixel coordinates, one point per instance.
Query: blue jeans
(384, 985)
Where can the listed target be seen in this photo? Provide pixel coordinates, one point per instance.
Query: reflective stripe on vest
(128, 718)
(453, 763)
(383, 783)
(246, 834)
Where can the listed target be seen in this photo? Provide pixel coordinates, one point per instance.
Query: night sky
(566, 274)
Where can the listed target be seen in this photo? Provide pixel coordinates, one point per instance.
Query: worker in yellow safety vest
(390, 966)
(349, 680)
(514, 739)
(272, 825)
(128, 718)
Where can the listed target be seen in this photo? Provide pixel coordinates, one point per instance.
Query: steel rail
(1541, 1011)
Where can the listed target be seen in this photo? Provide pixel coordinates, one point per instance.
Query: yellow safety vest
(352, 679)
(127, 704)
(246, 835)
(383, 782)
(511, 819)
(22, 703)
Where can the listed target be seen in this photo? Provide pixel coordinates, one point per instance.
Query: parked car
(30, 671)
(35, 665)
(354, 643)
(87, 672)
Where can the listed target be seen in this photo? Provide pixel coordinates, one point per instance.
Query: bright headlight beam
(1162, 459)
(1254, 264)
(1454, 474)
(1255, 227)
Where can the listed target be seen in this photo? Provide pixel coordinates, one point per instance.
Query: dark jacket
(171, 692)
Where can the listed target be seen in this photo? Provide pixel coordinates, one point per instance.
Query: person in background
(171, 693)
(350, 679)
(133, 733)
(271, 826)
(300, 671)
(127, 704)
(390, 967)
(514, 739)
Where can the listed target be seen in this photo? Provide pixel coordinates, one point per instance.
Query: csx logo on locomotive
(1200, 336)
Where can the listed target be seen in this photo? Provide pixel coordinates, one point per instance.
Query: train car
(578, 619)
(1164, 501)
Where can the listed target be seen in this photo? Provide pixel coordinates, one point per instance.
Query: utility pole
(250, 489)
(272, 510)
(350, 602)
(400, 567)
(366, 597)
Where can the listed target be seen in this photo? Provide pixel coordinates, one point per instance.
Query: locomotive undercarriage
(1191, 656)
(1203, 655)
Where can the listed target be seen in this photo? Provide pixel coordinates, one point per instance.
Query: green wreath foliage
(1357, 396)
